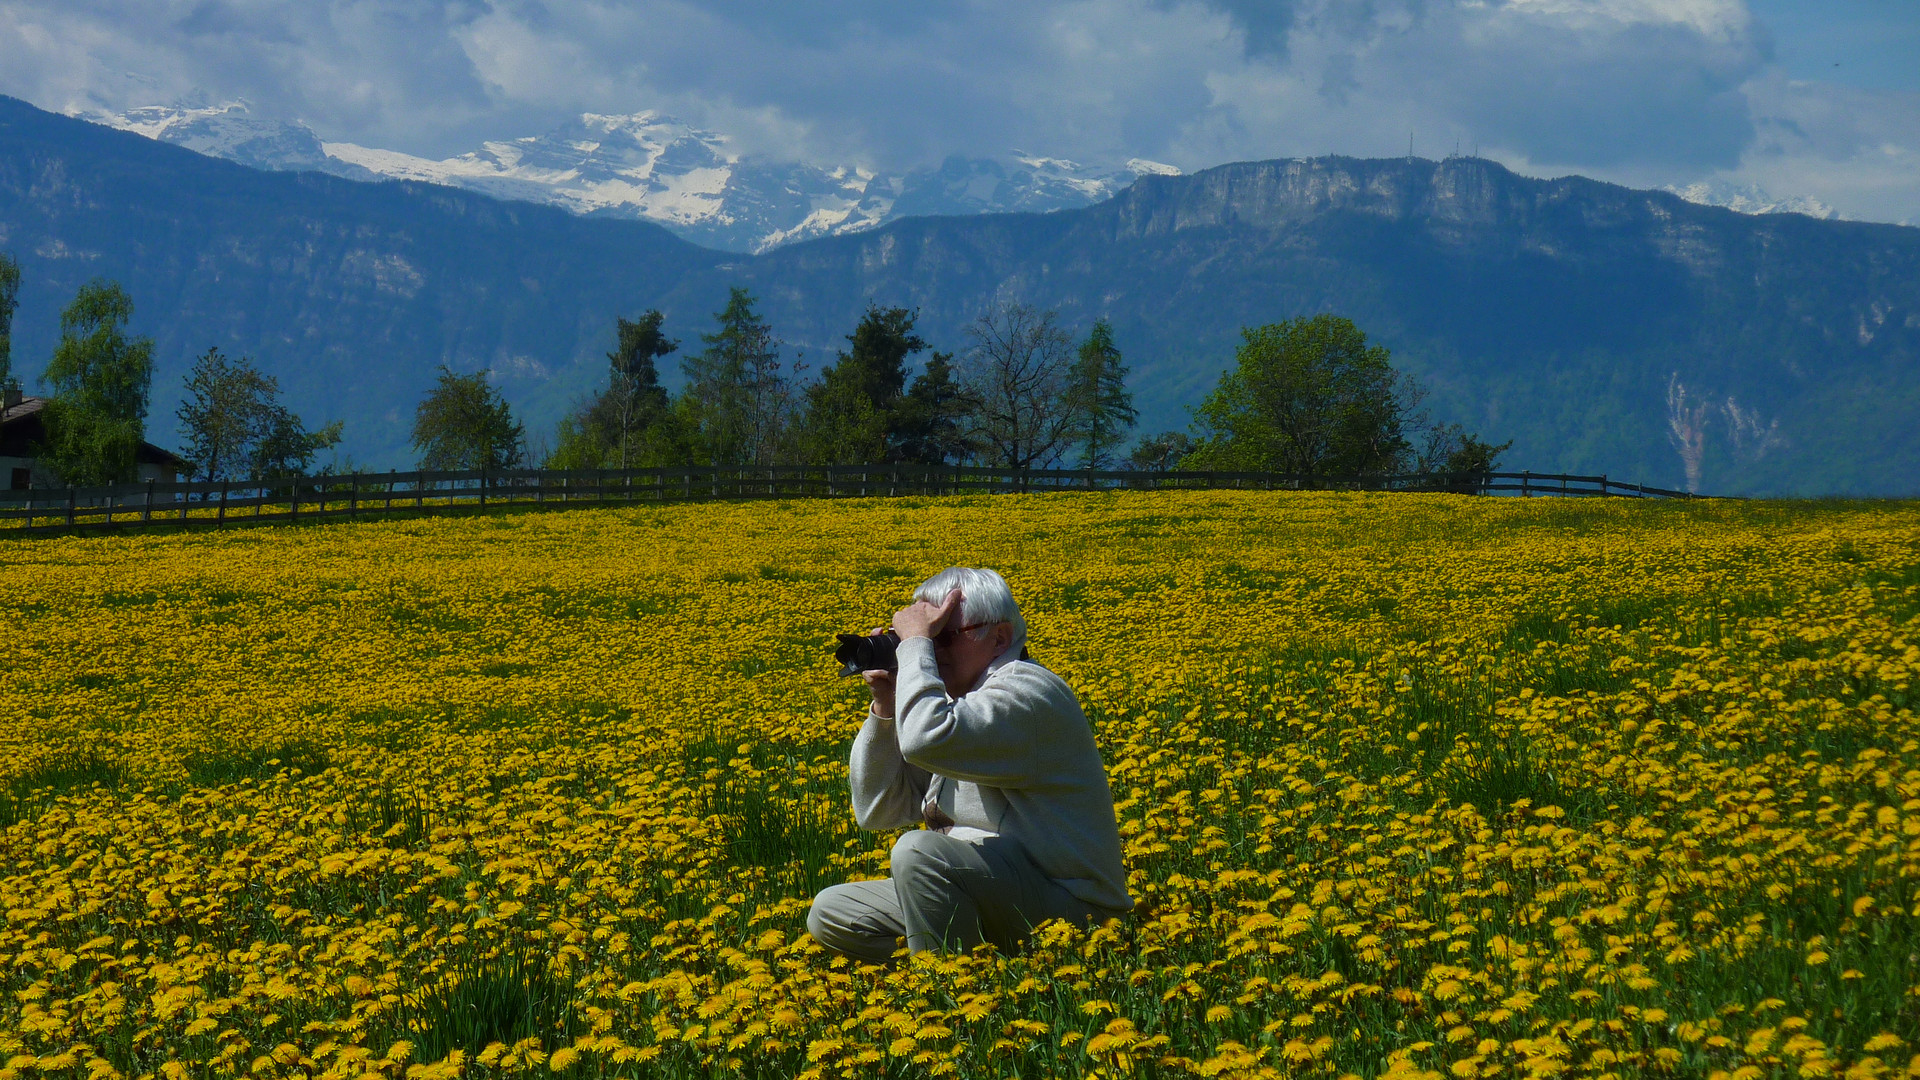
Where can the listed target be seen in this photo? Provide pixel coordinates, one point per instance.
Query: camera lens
(867, 652)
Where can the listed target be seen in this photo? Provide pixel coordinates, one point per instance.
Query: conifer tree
(1100, 403)
(936, 416)
(854, 411)
(738, 401)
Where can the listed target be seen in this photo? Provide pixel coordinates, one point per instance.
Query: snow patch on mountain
(231, 131)
(653, 167)
(1750, 199)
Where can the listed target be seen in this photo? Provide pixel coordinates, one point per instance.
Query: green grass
(27, 794)
(214, 767)
(483, 1000)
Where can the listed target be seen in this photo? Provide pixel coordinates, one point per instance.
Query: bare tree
(1018, 371)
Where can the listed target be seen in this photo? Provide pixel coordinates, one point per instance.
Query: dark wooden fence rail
(222, 501)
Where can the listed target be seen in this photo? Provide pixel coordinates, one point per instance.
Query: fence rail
(220, 502)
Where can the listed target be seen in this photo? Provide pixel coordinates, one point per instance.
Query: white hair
(984, 598)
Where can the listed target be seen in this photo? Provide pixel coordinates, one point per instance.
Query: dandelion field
(1410, 785)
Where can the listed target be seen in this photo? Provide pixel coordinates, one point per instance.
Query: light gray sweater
(1013, 756)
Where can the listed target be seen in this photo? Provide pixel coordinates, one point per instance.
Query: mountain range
(651, 167)
(1602, 329)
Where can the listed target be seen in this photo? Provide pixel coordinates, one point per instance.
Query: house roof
(22, 426)
(27, 407)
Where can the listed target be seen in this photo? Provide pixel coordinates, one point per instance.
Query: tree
(9, 303)
(1307, 396)
(1162, 452)
(738, 403)
(936, 415)
(1017, 370)
(224, 413)
(1101, 406)
(631, 421)
(854, 412)
(286, 448)
(464, 423)
(100, 379)
(636, 399)
(1451, 450)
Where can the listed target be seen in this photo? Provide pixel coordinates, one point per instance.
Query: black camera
(864, 652)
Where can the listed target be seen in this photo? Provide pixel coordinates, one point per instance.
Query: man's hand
(925, 620)
(880, 682)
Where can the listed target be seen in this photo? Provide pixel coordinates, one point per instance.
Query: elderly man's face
(963, 655)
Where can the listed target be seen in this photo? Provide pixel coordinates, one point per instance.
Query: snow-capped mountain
(657, 168)
(1750, 199)
(232, 132)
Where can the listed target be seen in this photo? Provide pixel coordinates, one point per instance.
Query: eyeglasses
(945, 638)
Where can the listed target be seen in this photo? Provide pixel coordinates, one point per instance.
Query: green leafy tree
(631, 421)
(225, 411)
(854, 412)
(580, 443)
(1101, 406)
(1161, 453)
(1307, 396)
(739, 402)
(464, 423)
(1018, 370)
(936, 415)
(285, 446)
(635, 399)
(100, 379)
(9, 303)
(1452, 450)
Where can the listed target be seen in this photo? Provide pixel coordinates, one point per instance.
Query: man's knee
(820, 919)
(844, 920)
(920, 853)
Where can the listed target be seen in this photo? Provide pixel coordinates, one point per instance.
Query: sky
(1816, 98)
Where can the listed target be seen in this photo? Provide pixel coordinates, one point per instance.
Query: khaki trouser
(945, 893)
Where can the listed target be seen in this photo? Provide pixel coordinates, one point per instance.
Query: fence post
(483, 489)
(72, 498)
(353, 495)
(1526, 484)
(389, 503)
(293, 499)
(146, 512)
(220, 515)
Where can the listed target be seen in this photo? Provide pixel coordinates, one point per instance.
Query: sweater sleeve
(1006, 734)
(887, 792)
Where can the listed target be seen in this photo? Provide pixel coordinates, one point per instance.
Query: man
(992, 753)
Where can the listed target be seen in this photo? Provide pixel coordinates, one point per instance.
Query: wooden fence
(221, 502)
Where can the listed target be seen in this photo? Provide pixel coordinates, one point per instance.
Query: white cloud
(1644, 91)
